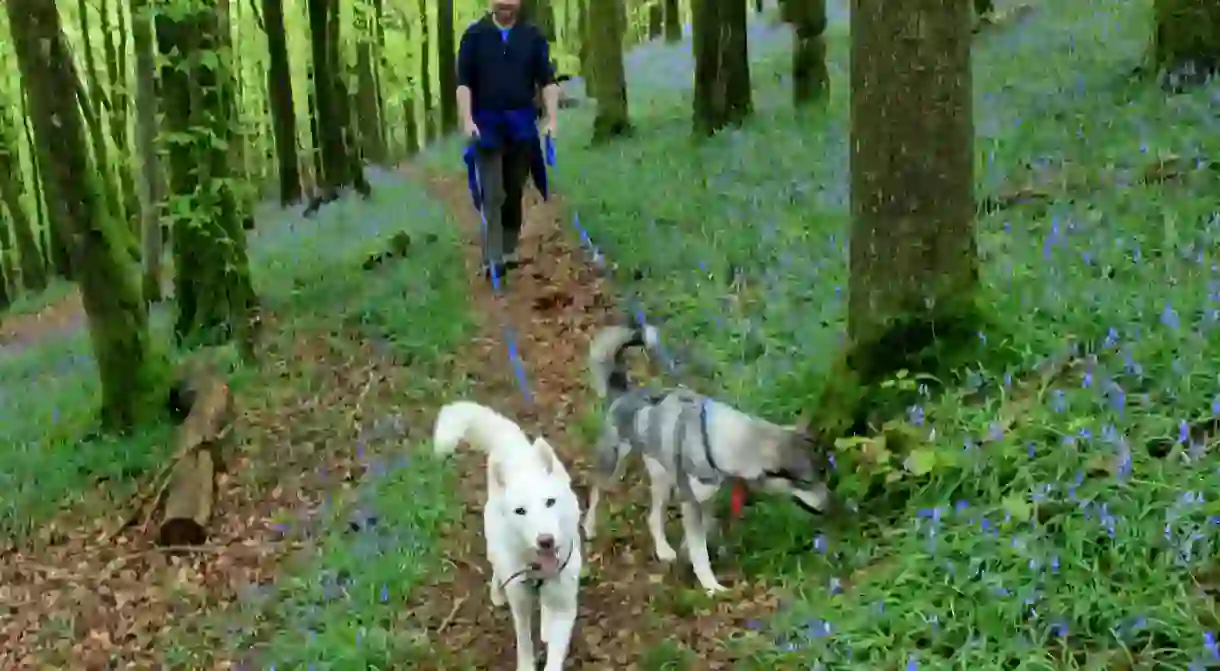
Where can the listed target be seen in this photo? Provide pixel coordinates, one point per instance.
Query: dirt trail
(634, 611)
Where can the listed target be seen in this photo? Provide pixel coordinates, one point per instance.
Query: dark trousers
(502, 174)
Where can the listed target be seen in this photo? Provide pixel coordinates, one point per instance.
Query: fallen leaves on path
(80, 601)
(631, 605)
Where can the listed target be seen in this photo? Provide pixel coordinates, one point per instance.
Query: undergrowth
(1057, 507)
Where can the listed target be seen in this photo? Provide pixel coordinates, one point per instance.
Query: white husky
(532, 524)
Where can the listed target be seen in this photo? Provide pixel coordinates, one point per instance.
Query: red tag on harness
(738, 500)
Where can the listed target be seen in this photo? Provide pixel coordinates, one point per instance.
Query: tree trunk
(330, 101)
(447, 63)
(541, 13)
(132, 392)
(315, 134)
(283, 112)
(53, 226)
(343, 104)
(673, 21)
(606, 50)
(94, 101)
(152, 193)
(425, 75)
(758, 6)
(215, 298)
(372, 144)
(115, 48)
(1186, 40)
(383, 67)
(984, 7)
(810, 77)
(9, 286)
(656, 20)
(588, 63)
(31, 263)
(722, 66)
(914, 261)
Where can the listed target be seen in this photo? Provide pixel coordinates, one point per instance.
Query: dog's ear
(548, 453)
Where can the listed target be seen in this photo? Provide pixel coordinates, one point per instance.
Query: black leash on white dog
(535, 567)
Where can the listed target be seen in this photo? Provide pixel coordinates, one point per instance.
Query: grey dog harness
(690, 423)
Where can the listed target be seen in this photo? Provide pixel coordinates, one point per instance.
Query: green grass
(1061, 543)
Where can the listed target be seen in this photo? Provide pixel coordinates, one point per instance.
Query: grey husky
(694, 444)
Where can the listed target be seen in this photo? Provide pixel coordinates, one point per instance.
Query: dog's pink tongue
(548, 563)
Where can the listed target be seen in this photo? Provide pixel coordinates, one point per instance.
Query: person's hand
(550, 127)
(470, 129)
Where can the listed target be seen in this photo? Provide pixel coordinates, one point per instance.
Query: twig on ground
(457, 605)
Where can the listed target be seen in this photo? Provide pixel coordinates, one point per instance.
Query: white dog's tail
(477, 424)
(606, 355)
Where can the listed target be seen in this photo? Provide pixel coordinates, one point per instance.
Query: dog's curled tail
(607, 364)
(477, 424)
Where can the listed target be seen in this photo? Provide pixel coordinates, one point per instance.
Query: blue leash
(510, 338)
(599, 260)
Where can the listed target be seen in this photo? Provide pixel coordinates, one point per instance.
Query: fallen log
(191, 486)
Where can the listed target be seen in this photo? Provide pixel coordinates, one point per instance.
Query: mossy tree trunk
(656, 20)
(1186, 38)
(673, 21)
(215, 297)
(913, 260)
(446, 61)
(115, 49)
(32, 265)
(131, 373)
(9, 285)
(810, 76)
(55, 230)
(427, 104)
(585, 50)
(152, 191)
(94, 103)
(380, 73)
(283, 111)
(410, 113)
(344, 103)
(340, 163)
(542, 14)
(610, 81)
(722, 66)
(372, 143)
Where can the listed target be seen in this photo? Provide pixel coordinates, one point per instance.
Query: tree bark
(344, 104)
(340, 166)
(722, 66)
(54, 235)
(152, 192)
(588, 64)
(383, 67)
(758, 6)
(810, 76)
(215, 297)
(610, 82)
(115, 49)
(372, 144)
(446, 61)
(1186, 39)
(132, 392)
(914, 261)
(9, 285)
(541, 13)
(32, 265)
(283, 112)
(656, 20)
(94, 102)
(673, 21)
(428, 131)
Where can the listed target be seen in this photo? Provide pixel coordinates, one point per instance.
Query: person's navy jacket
(504, 70)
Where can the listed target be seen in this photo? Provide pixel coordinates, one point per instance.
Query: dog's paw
(714, 589)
